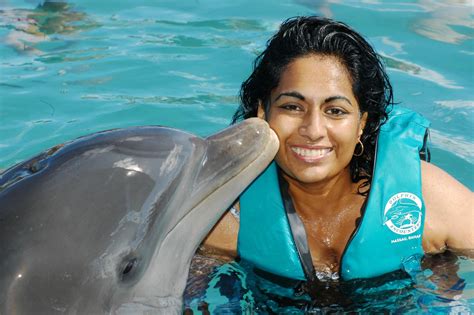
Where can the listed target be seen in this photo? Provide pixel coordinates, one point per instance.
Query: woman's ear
(363, 121)
(261, 111)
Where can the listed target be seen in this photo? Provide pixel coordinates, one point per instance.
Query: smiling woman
(325, 93)
(317, 117)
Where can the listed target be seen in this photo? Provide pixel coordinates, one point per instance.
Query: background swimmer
(32, 27)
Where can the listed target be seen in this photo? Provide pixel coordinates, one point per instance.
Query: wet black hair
(306, 35)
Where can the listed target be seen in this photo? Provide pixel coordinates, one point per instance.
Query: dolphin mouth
(261, 159)
(266, 146)
(262, 145)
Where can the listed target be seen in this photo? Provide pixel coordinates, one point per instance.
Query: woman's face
(316, 117)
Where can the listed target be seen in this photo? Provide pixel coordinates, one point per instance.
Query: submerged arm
(221, 242)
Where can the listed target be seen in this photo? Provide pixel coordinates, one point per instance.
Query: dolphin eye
(128, 267)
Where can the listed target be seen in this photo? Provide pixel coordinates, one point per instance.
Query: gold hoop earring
(361, 149)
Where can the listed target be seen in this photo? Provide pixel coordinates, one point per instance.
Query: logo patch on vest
(402, 214)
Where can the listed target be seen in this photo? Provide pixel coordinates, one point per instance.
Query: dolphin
(109, 223)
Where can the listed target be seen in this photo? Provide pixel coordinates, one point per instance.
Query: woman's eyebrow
(290, 94)
(299, 96)
(337, 97)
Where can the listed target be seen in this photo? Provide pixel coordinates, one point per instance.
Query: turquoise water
(73, 69)
(443, 285)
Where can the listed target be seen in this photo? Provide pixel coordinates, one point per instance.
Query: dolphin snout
(262, 129)
(252, 136)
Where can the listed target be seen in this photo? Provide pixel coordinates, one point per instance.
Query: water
(443, 284)
(68, 70)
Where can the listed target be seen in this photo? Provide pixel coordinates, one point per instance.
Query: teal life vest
(272, 237)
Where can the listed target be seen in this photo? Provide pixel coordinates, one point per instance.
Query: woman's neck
(322, 198)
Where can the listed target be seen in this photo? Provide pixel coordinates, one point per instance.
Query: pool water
(443, 284)
(70, 69)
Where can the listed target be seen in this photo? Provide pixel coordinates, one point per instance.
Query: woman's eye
(334, 111)
(291, 107)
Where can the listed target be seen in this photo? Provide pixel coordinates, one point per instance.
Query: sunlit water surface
(70, 69)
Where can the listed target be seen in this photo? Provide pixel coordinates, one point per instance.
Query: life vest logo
(402, 214)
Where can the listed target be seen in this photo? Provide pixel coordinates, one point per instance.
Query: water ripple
(445, 20)
(457, 104)
(221, 25)
(457, 145)
(190, 76)
(420, 72)
(170, 100)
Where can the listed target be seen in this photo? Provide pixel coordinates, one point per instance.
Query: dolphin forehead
(154, 143)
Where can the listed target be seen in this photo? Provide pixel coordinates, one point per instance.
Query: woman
(324, 91)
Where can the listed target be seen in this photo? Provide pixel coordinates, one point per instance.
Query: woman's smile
(311, 154)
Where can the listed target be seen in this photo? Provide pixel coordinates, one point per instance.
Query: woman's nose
(313, 126)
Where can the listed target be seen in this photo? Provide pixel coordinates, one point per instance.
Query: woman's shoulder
(439, 186)
(449, 211)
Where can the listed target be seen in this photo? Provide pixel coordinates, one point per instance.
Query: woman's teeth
(310, 152)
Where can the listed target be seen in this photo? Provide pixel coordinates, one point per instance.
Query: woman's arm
(449, 221)
(221, 242)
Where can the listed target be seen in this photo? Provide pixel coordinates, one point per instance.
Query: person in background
(49, 18)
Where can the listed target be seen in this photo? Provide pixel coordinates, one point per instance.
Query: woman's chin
(310, 176)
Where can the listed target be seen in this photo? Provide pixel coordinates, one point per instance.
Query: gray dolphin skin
(108, 223)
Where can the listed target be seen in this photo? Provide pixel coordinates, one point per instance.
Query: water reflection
(444, 19)
(322, 7)
(441, 21)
